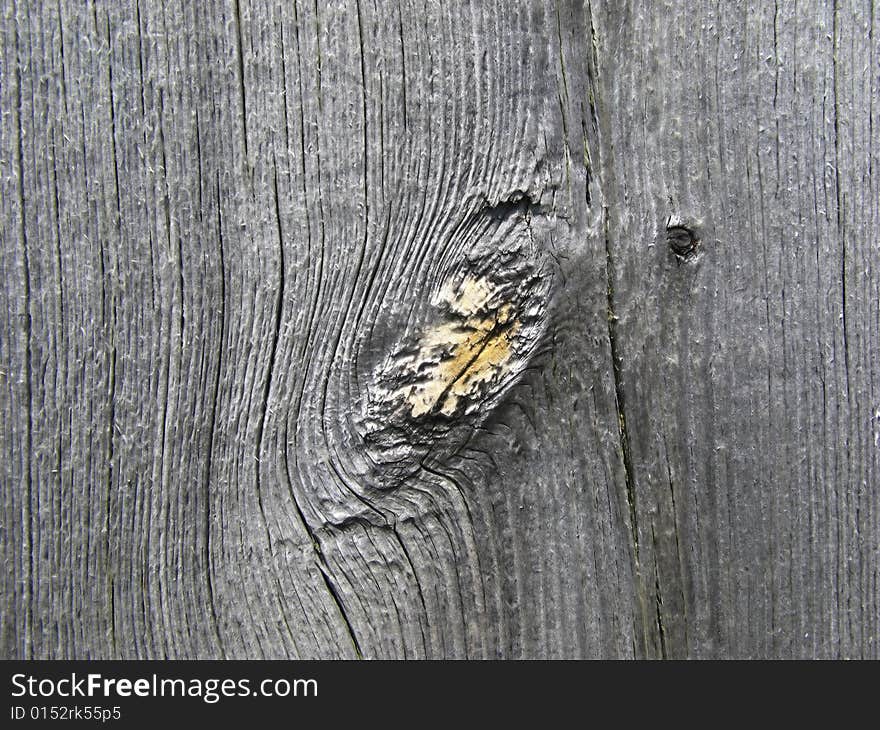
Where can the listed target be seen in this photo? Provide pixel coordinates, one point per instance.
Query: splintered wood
(462, 352)
(456, 358)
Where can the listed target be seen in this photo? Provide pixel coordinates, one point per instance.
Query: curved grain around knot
(461, 351)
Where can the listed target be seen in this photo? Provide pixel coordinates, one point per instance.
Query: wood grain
(439, 330)
(750, 367)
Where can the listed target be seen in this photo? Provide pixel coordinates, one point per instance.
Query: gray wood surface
(461, 329)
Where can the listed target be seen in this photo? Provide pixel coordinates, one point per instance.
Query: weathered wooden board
(750, 367)
(342, 329)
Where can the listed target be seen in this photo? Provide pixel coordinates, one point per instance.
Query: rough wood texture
(471, 329)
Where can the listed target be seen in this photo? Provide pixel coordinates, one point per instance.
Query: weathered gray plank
(351, 328)
(749, 367)
(241, 205)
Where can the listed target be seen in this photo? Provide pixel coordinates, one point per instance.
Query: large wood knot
(461, 354)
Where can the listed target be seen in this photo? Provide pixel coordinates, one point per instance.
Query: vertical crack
(658, 598)
(619, 394)
(27, 540)
(111, 394)
(338, 601)
(623, 432)
(242, 91)
(214, 407)
(841, 221)
(321, 561)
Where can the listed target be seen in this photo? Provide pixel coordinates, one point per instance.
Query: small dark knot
(681, 240)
